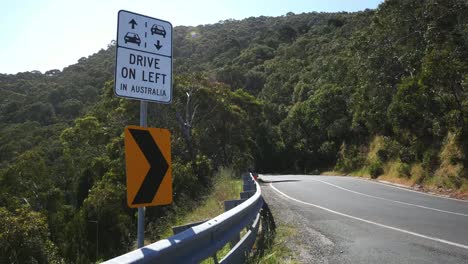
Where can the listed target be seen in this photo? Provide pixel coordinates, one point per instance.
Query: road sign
(148, 166)
(144, 58)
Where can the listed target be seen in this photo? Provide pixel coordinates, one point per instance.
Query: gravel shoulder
(309, 245)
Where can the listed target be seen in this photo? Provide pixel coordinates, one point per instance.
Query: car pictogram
(132, 38)
(159, 30)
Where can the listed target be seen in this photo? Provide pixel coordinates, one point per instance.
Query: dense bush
(375, 169)
(296, 93)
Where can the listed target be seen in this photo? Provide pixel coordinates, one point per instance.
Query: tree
(24, 238)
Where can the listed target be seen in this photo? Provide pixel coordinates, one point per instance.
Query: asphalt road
(351, 220)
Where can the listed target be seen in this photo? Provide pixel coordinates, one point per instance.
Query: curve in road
(431, 218)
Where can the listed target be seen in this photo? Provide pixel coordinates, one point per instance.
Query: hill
(382, 92)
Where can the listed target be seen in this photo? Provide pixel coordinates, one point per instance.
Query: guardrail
(203, 241)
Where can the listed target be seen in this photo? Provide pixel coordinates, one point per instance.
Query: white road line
(409, 190)
(389, 200)
(374, 223)
(383, 183)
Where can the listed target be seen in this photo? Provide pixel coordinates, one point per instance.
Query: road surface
(352, 220)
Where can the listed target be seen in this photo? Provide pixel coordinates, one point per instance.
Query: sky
(52, 34)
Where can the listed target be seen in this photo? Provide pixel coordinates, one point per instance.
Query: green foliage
(451, 159)
(375, 169)
(296, 93)
(404, 169)
(409, 106)
(106, 204)
(350, 158)
(430, 160)
(24, 238)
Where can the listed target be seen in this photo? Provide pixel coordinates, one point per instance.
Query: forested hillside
(380, 92)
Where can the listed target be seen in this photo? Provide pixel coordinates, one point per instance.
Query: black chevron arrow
(158, 166)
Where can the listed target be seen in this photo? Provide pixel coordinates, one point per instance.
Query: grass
(226, 187)
(219, 255)
(393, 173)
(376, 145)
(357, 173)
(331, 173)
(464, 188)
(363, 173)
(278, 252)
(449, 178)
(417, 175)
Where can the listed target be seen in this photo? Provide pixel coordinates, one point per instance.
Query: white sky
(52, 34)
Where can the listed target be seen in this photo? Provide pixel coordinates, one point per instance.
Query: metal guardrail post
(239, 252)
(246, 194)
(228, 205)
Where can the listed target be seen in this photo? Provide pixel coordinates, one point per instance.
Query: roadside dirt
(309, 245)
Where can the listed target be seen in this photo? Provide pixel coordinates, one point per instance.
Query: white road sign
(144, 58)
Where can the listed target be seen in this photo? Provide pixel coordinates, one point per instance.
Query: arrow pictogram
(158, 166)
(133, 23)
(158, 45)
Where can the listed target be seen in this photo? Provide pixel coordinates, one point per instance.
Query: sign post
(143, 71)
(141, 210)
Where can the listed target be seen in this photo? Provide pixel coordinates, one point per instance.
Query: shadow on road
(267, 181)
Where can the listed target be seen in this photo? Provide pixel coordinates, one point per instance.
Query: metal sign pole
(142, 37)
(141, 210)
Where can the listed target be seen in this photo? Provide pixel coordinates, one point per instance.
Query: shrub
(349, 158)
(383, 154)
(451, 159)
(407, 155)
(430, 160)
(417, 173)
(391, 149)
(375, 169)
(404, 169)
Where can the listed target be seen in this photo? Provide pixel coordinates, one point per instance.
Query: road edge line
(407, 188)
(390, 200)
(374, 223)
